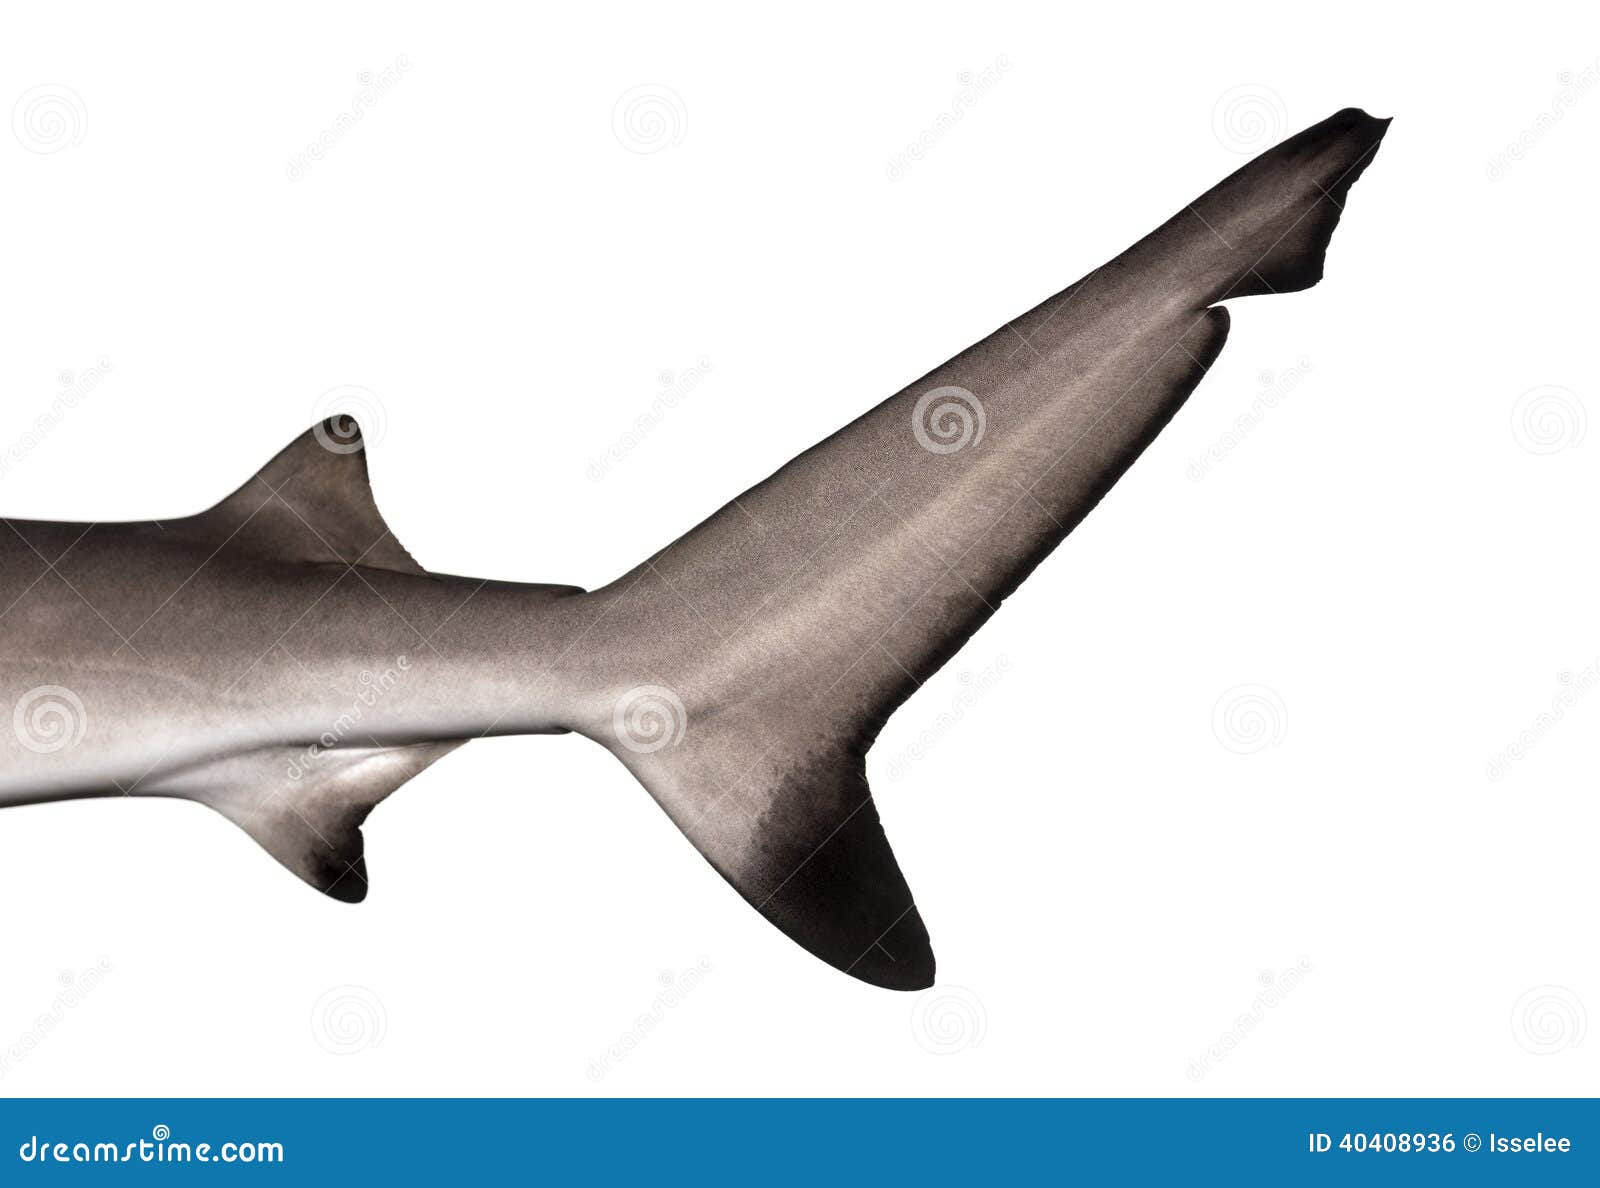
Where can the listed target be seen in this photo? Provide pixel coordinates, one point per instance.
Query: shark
(283, 660)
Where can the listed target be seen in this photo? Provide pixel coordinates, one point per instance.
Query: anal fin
(306, 808)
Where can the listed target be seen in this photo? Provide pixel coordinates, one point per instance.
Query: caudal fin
(1266, 228)
(765, 649)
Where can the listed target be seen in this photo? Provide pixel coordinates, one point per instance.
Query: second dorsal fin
(312, 502)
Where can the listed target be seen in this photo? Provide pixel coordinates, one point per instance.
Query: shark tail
(749, 666)
(752, 723)
(1266, 228)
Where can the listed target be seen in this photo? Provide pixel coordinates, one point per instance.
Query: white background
(1399, 552)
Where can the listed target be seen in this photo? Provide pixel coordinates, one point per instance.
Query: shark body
(282, 659)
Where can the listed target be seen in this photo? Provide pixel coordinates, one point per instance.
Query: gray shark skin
(283, 660)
